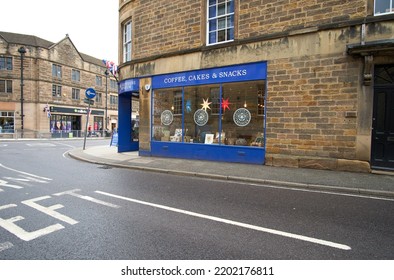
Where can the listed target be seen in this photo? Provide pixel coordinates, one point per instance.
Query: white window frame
(99, 81)
(388, 10)
(6, 63)
(99, 97)
(75, 75)
(8, 86)
(75, 94)
(217, 18)
(56, 91)
(56, 71)
(127, 46)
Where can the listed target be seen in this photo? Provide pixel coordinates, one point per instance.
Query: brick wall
(312, 106)
(262, 17)
(164, 26)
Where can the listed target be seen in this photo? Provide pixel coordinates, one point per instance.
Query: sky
(92, 25)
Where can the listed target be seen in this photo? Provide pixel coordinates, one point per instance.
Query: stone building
(286, 83)
(55, 78)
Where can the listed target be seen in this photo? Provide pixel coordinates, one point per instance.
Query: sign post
(90, 94)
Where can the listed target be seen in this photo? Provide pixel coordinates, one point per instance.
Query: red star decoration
(225, 104)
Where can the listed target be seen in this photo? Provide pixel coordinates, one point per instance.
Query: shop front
(67, 122)
(213, 114)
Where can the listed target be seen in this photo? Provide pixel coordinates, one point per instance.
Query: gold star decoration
(205, 104)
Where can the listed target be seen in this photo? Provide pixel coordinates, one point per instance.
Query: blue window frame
(220, 21)
(220, 116)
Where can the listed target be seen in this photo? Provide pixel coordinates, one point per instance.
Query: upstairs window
(56, 71)
(113, 85)
(384, 7)
(5, 86)
(57, 91)
(75, 93)
(99, 81)
(220, 21)
(127, 42)
(99, 98)
(5, 63)
(75, 75)
(113, 100)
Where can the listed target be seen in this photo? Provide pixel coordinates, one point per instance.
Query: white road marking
(49, 210)
(41, 145)
(10, 226)
(16, 179)
(88, 198)
(5, 246)
(5, 184)
(25, 173)
(230, 222)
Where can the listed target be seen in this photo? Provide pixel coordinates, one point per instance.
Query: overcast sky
(92, 25)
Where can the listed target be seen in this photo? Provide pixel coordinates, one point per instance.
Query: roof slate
(34, 41)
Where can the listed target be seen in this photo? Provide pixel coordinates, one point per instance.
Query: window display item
(166, 117)
(209, 138)
(201, 117)
(242, 117)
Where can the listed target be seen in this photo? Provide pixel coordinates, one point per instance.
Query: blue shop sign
(227, 74)
(129, 85)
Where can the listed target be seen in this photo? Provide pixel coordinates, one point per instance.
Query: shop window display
(223, 114)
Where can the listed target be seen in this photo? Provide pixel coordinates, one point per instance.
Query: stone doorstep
(317, 163)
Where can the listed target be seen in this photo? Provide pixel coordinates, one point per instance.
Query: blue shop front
(215, 114)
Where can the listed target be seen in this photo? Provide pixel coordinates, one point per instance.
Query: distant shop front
(69, 122)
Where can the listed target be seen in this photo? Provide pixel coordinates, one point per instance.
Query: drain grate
(105, 167)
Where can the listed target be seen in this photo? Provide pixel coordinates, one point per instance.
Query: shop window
(384, 7)
(242, 121)
(5, 63)
(7, 122)
(237, 120)
(260, 100)
(60, 123)
(5, 86)
(220, 21)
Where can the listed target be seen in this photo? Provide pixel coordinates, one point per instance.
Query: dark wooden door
(382, 152)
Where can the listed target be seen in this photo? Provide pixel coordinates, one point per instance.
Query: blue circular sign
(90, 93)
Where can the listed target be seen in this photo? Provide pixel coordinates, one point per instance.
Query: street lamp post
(106, 99)
(22, 51)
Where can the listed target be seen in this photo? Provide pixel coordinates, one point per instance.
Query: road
(53, 207)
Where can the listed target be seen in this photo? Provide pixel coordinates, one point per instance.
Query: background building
(55, 77)
(326, 101)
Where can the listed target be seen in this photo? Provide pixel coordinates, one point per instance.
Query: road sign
(90, 93)
(88, 101)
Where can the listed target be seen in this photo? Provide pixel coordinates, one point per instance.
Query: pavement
(368, 184)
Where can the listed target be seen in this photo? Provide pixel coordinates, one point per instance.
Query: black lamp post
(106, 99)
(22, 51)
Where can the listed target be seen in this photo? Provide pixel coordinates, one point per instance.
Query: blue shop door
(128, 127)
